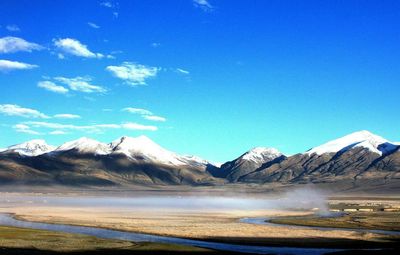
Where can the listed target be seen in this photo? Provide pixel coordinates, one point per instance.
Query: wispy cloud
(10, 44)
(137, 111)
(155, 118)
(203, 4)
(58, 132)
(136, 126)
(8, 65)
(51, 86)
(22, 128)
(93, 25)
(133, 74)
(81, 84)
(76, 48)
(155, 44)
(13, 28)
(67, 116)
(182, 71)
(146, 114)
(16, 110)
(96, 128)
(107, 4)
(111, 5)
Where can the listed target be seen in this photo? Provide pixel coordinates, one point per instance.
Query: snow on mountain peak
(34, 147)
(362, 138)
(144, 147)
(86, 145)
(140, 143)
(261, 154)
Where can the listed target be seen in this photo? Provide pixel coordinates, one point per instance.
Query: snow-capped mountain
(364, 139)
(125, 161)
(247, 163)
(139, 148)
(348, 159)
(357, 159)
(31, 148)
(261, 154)
(145, 149)
(85, 145)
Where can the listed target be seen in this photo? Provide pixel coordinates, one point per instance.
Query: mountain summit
(85, 145)
(144, 148)
(364, 139)
(31, 148)
(248, 162)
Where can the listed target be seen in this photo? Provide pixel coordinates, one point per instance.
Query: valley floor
(200, 222)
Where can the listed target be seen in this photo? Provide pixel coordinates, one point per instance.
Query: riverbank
(15, 240)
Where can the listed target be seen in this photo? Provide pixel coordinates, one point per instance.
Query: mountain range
(358, 159)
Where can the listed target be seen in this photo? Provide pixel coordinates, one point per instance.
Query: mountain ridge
(359, 158)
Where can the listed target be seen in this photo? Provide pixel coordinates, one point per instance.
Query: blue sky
(209, 78)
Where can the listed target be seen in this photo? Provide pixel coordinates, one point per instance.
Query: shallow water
(8, 220)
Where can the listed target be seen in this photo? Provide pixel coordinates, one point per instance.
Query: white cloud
(155, 45)
(10, 44)
(107, 4)
(96, 128)
(148, 115)
(74, 47)
(133, 74)
(7, 65)
(93, 25)
(22, 128)
(81, 84)
(183, 71)
(28, 131)
(112, 126)
(155, 118)
(67, 116)
(51, 86)
(58, 132)
(203, 4)
(13, 28)
(16, 110)
(111, 5)
(136, 126)
(52, 125)
(137, 111)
